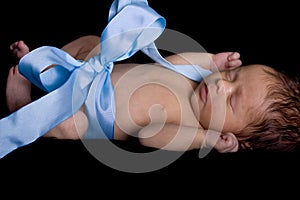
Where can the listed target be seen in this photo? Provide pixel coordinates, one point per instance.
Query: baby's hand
(225, 60)
(222, 142)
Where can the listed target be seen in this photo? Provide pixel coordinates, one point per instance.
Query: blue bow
(132, 26)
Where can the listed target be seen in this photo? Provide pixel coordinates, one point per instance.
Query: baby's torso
(150, 94)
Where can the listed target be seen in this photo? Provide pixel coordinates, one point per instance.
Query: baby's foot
(226, 60)
(18, 49)
(18, 90)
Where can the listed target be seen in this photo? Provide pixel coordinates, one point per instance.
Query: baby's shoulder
(133, 74)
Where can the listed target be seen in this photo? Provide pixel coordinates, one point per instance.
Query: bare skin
(131, 116)
(18, 88)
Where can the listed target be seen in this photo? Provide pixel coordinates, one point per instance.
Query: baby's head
(259, 105)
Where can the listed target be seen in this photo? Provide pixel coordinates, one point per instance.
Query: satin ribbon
(132, 26)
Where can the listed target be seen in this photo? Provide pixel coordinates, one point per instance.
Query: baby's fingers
(234, 64)
(233, 56)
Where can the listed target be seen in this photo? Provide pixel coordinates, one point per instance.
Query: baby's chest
(155, 103)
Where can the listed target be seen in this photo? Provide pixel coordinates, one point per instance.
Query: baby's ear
(227, 142)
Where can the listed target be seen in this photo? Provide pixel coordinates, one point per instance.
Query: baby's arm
(175, 137)
(213, 62)
(172, 137)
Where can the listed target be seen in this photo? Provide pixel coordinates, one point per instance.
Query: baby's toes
(19, 49)
(13, 45)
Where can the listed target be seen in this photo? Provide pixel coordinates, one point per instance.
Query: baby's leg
(72, 128)
(18, 94)
(84, 47)
(18, 88)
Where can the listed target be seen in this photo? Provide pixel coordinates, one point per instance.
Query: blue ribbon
(133, 26)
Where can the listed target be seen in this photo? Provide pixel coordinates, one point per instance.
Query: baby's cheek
(205, 119)
(233, 124)
(215, 119)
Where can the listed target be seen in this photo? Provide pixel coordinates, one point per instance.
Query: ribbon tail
(106, 106)
(193, 72)
(54, 108)
(100, 108)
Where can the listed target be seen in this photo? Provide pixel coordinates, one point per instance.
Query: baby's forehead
(254, 82)
(258, 68)
(258, 71)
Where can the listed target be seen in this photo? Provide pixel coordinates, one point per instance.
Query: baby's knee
(72, 128)
(88, 42)
(76, 126)
(91, 38)
(90, 46)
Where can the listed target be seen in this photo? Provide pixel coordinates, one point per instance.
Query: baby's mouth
(203, 92)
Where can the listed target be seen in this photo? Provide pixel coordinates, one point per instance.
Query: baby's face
(226, 99)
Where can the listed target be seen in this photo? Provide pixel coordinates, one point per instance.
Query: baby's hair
(277, 127)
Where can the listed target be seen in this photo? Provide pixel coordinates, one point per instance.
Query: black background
(265, 33)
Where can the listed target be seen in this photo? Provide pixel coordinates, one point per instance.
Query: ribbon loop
(33, 66)
(143, 26)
